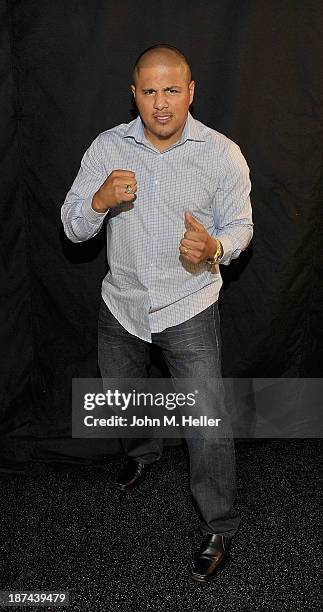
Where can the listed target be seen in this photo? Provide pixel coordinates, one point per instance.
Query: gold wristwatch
(212, 261)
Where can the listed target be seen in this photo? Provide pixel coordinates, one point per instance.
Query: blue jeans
(191, 350)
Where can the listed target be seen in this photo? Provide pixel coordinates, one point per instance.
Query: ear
(191, 89)
(133, 89)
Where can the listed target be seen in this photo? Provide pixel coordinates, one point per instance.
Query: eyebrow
(164, 89)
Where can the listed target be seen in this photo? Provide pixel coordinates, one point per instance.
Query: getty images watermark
(122, 401)
(146, 407)
(216, 407)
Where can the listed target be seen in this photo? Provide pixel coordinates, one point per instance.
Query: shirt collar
(191, 131)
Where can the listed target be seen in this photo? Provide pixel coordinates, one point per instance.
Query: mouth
(162, 119)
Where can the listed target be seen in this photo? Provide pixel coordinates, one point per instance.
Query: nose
(160, 100)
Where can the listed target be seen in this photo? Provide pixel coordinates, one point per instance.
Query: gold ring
(128, 189)
(186, 251)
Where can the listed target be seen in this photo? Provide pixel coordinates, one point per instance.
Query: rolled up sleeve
(232, 206)
(79, 220)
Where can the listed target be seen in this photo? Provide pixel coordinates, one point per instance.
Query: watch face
(217, 255)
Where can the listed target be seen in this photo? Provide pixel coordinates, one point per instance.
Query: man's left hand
(197, 245)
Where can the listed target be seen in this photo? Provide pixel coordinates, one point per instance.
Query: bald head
(162, 55)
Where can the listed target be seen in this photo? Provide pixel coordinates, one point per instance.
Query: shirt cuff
(91, 215)
(227, 248)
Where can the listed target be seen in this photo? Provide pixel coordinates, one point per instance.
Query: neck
(163, 143)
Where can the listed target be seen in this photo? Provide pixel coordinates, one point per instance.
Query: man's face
(163, 96)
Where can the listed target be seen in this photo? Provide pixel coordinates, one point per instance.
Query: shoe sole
(125, 488)
(129, 487)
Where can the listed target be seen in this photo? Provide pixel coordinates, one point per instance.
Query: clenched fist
(115, 190)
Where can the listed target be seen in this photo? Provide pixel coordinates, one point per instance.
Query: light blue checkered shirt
(150, 286)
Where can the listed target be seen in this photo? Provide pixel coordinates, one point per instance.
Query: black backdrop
(65, 77)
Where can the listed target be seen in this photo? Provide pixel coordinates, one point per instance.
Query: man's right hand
(113, 191)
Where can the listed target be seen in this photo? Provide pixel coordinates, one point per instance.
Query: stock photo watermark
(166, 407)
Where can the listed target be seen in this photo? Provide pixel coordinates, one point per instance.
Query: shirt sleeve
(232, 206)
(80, 221)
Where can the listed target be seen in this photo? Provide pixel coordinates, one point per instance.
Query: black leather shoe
(131, 475)
(211, 557)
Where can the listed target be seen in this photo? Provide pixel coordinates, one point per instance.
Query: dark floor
(67, 528)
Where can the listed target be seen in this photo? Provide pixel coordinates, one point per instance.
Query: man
(175, 196)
